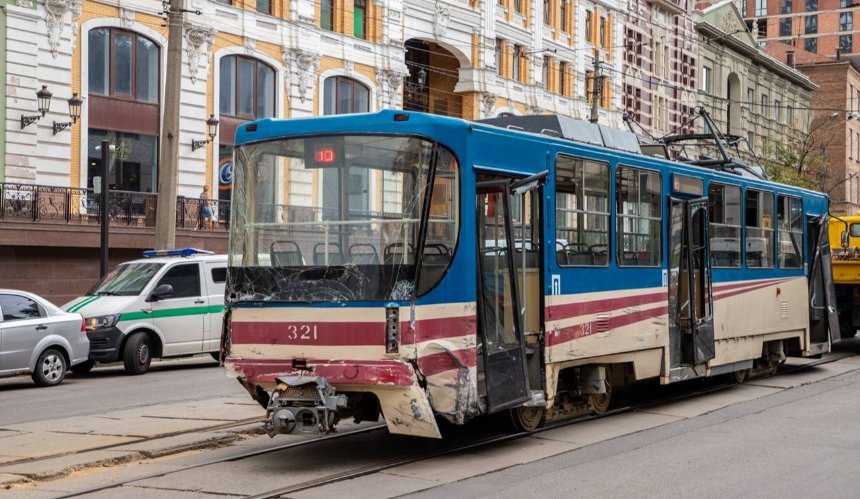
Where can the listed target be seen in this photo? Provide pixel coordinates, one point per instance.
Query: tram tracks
(453, 448)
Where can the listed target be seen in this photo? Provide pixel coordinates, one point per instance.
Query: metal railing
(74, 205)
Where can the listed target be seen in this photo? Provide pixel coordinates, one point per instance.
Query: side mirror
(162, 291)
(844, 239)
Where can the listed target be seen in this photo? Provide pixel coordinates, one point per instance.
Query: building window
(547, 19)
(846, 43)
(547, 65)
(518, 6)
(499, 60)
(327, 14)
(811, 5)
(789, 114)
(811, 24)
(844, 4)
(639, 217)
(761, 25)
(724, 203)
(810, 45)
(777, 108)
(224, 2)
(562, 15)
(562, 78)
(846, 21)
(582, 212)
(360, 19)
(247, 88)
(344, 96)
(785, 26)
(123, 65)
(603, 42)
(789, 215)
(706, 79)
(517, 60)
(750, 97)
(759, 229)
(785, 7)
(588, 15)
(764, 105)
(264, 6)
(760, 8)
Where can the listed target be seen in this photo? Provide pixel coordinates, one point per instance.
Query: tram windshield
(339, 218)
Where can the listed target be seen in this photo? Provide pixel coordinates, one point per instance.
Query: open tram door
(823, 315)
(501, 341)
(691, 320)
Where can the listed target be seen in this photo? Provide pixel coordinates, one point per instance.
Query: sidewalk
(47, 450)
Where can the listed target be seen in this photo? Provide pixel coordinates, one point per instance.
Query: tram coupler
(308, 404)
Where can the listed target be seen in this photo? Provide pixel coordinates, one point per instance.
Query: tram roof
(552, 128)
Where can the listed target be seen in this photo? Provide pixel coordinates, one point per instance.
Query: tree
(808, 157)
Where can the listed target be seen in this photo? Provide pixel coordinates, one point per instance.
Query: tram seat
(393, 253)
(789, 261)
(436, 254)
(335, 257)
(600, 254)
(560, 254)
(579, 254)
(725, 258)
(531, 257)
(629, 258)
(363, 254)
(286, 254)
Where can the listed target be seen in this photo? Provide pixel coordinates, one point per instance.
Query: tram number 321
(302, 332)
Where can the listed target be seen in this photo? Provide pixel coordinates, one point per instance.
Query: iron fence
(74, 205)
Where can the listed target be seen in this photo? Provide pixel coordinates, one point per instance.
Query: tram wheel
(527, 418)
(599, 402)
(741, 376)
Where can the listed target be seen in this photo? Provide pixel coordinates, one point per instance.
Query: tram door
(500, 331)
(691, 320)
(823, 318)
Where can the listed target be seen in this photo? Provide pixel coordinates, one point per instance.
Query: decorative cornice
(55, 12)
(488, 100)
(196, 37)
(304, 64)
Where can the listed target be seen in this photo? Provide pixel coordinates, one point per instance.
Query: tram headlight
(101, 322)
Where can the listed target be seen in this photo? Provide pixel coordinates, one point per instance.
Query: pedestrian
(205, 209)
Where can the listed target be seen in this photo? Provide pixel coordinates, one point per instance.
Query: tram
(416, 267)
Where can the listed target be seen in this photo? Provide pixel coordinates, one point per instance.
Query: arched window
(247, 92)
(344, 95)
(124, 80)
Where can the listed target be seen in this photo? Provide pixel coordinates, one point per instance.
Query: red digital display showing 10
(324, 154)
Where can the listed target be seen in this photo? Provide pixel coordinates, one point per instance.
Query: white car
(168, 304)
(39, 339)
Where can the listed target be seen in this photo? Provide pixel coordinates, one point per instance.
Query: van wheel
(137, 354)
(83, 367)
(50, 368)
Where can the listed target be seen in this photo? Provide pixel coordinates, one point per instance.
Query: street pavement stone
(46, 443)
(179, 443)
(53, 468)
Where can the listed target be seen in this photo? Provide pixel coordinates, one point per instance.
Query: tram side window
(789, 215)
(638, 195)
(581, 212)
(724, 203)
(759, 229)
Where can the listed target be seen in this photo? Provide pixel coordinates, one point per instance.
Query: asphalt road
(108, 388)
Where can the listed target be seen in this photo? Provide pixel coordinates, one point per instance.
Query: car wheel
(137, 354)
(83, 367)
(50, 368)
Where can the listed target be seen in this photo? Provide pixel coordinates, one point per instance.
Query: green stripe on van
(171, 312)
(83, 303)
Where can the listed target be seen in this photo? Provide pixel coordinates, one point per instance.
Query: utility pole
(104, 219)
(596, 89)
(165, 218)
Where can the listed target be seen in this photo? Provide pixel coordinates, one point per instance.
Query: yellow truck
(845, 262)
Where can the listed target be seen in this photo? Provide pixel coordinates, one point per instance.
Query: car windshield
(339, 218)
(127, 279)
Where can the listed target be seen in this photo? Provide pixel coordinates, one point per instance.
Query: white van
(169, 304)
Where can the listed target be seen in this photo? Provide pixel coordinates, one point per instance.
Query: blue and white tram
(410, 265)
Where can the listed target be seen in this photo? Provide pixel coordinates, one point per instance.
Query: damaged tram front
(342, 230)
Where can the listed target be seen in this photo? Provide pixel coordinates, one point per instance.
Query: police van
(168, 304)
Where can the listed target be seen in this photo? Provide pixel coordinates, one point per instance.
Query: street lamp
(211, 130)
(43, 100)
(74, 112)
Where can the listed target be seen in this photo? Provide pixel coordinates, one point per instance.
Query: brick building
(817, 26)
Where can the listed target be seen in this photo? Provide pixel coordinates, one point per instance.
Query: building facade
(748, 93)
(822, 27)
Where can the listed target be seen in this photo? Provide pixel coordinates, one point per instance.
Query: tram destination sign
(683, 184)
